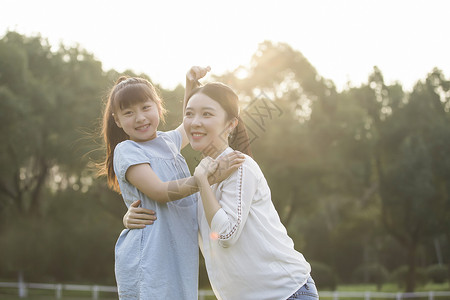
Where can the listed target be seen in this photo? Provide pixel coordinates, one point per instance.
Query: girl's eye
(207, 114)
(127, 113)
(188, 114)
(147, 107)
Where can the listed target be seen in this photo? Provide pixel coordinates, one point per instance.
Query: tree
(405, 165)
(47, 99)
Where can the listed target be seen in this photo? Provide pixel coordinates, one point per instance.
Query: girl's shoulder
(129, 148)
(172, 136)
(127, 144)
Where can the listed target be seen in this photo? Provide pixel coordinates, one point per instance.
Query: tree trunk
(37, 191)
(410, 277)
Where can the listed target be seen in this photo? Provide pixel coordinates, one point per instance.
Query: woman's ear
(233, 123)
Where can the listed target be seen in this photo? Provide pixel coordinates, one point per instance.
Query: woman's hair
(127, 91)
(227, 98)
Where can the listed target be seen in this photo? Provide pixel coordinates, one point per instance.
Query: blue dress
(161, 260)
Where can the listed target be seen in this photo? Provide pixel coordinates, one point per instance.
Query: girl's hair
(227, 98)
(127, 91)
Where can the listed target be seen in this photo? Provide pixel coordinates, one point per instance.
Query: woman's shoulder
(251, 167)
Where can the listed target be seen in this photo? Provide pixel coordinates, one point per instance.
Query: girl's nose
(140, 117)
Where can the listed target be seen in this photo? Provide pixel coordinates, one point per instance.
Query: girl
(247, 251)
(158, 261)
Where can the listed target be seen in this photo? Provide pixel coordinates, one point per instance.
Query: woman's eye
(207, 114)
(188, 114)
(127, 113)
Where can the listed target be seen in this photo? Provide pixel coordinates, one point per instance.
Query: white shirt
(247, 251)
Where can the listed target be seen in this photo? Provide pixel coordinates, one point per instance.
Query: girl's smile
(197, 135)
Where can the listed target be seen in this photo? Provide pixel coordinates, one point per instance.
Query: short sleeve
(175, 137)
(127, 154)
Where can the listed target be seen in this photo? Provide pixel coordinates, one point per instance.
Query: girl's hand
(205, 168)
(195, 73)
(227, 165)
(138, 217)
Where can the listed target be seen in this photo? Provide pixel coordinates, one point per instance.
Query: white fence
(23, 287)
(378, 295)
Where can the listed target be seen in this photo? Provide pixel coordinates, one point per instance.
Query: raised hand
(195, 73)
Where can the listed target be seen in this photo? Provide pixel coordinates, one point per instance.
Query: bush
(400, 276)
(323, 275)
(371, 273)
(437, 273)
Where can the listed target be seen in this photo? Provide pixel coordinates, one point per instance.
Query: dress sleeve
(175, 137)
(236, 197)
(127, 154)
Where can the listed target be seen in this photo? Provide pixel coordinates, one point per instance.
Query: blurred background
(347, 104)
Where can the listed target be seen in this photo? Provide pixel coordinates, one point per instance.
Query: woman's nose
(196, 122)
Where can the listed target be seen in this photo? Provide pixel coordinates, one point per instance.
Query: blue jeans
(307, 292)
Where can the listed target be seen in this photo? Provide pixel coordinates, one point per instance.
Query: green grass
(392, 287)
(35, 294)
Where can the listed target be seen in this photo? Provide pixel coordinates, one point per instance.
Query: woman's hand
(138, 217)
(227, 165)
(195, 73)
(205, 168)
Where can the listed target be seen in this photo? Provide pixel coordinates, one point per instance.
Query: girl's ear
(116, 120)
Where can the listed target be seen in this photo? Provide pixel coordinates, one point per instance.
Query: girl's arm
(145, 179)
(192, 76)
(136, 216)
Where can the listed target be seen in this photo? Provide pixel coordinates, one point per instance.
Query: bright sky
(342, 39)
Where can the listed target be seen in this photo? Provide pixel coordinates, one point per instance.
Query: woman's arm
(192, 76)
(137, 217)
(210, 203)
(227, 214)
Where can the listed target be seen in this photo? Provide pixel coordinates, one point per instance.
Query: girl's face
(139, 121)
(207, 125)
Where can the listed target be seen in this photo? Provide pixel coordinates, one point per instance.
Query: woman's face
(207, 126)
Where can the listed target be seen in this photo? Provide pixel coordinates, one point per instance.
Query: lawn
(35, 294)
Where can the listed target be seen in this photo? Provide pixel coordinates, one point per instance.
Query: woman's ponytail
(239, 139)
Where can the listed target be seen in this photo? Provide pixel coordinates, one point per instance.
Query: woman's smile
(197, 135)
